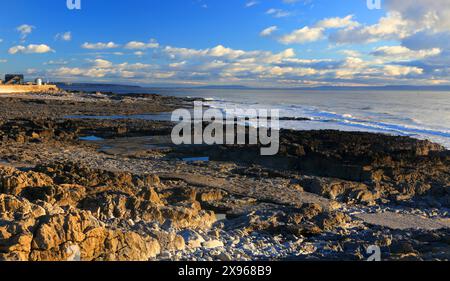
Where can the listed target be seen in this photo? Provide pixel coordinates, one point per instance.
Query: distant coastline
(241, 87)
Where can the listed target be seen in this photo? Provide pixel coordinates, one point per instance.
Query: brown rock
(13, 181)
(56, 233)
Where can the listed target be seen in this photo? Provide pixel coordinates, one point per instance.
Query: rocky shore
(117, 189)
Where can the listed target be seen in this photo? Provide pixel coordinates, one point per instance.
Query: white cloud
(278, 13)
(222, 64)
(106, 69)
(281, 71)
(338, 22)
(66, 36)
(25, 30)
(432, 15)
(308, 34)
(99, 46)
(268, 31)
(30, 49)
(303, 35)
(101, 63)
(251, 4)
(135, 45)
(351, 53)
(218, 51)
(403, 53)
(178, 64)
(3, 61)
(57, 62)
(67, 71)
(399, 70)
(390, 27)
(403, 19)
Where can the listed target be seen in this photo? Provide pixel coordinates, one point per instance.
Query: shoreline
(327, 195)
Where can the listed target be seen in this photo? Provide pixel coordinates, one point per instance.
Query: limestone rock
(56, 233)
(13, 181)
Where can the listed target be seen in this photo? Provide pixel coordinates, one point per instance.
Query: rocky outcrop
(43, 218)
(14, 182)
(56, 234)
(349, 166)
(29, 232)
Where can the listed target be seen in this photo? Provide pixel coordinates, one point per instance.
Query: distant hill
(224, 87)
(340, 88)
(382, 88)
(241, 87)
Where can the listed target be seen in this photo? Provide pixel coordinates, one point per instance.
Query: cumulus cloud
(100, 68)
(390, 27)
(399, 70)
(218, 51)
(66, 36)
(99, 46)
(432, 15)
(136, 45)
(222, 64)
(30, 49)
(303, 35)
(404, 19)
(338, 22)
(278, 13)
(351, 53)
(403, 53)
(268, 31)
(25, 30)
(101, 63)
(309, 34)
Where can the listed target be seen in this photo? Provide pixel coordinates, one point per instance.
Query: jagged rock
(330, 221)
(62, 195)
(17, 224)
(311, 210)
(188, 216)
(57, 233)
(148, 193)
(215, 195)
(13, 181)
(27, 232)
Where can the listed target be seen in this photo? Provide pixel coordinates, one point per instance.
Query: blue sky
(247, 42)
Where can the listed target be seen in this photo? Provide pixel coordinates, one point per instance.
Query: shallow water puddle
(91, 138)
(195, 159)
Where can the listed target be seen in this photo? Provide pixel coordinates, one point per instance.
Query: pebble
(212, 244)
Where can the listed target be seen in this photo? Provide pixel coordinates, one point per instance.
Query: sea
(418, 114)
